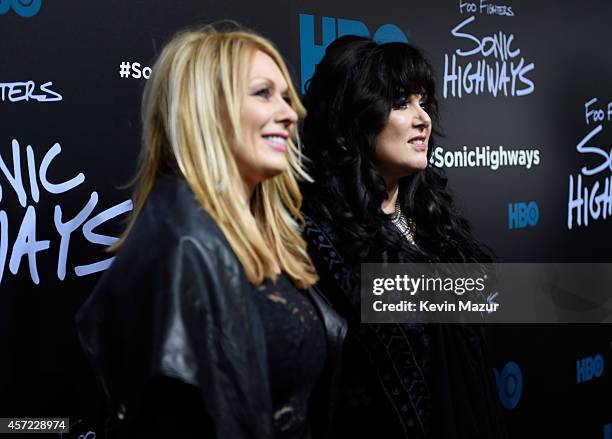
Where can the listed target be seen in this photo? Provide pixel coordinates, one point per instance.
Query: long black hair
(354, 88)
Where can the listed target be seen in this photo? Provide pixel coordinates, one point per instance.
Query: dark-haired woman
(371, 113)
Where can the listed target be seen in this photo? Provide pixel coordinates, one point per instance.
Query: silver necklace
(406, 226)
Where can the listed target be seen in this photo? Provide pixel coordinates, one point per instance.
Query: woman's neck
(388, 205)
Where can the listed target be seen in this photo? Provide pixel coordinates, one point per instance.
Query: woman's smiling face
(267, 119)
(401, 146)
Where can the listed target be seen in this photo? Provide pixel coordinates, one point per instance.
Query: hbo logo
(522, 215)
(311, 53)
(509, 385)
(589, 368)
(25, 8)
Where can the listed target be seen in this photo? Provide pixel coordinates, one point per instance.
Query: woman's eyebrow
(268, 81)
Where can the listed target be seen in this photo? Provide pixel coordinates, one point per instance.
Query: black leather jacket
(176, 303)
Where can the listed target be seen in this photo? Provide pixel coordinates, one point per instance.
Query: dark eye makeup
(404, 102)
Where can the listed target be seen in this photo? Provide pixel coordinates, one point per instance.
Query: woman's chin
(273, 171)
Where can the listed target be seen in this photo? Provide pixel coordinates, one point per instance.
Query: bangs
(405, 72)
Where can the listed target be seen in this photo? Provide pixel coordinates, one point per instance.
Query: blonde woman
(206, 325)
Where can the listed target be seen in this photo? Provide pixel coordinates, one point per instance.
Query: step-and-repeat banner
(526, 95)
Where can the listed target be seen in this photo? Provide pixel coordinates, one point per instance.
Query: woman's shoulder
(174, 246)
(324, 249)
(171, 219)
(321, 237)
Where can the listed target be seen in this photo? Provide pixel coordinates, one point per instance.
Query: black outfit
(296, 345)
(185, 347)
(403, 380)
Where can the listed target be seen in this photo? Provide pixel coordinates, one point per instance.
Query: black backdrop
(67, 116)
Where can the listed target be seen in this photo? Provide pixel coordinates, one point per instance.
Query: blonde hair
(191, 114)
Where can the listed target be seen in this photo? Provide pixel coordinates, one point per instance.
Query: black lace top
(296, 346)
